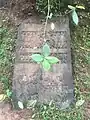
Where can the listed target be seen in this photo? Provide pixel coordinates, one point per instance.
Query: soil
(87, 111)
(6, 113)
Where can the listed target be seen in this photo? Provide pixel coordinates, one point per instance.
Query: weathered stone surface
(25, 80)
(30, 81)
(3, 3)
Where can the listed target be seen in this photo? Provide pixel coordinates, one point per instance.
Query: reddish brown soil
(22, 8)
(87, 111)
(6, 113)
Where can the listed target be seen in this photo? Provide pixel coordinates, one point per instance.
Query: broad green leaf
(46, 65)
(52, 60)
(75, 17)
(2, 97)
(37, 57)
(80, 103)
(46, 50)
(71, 7)
(80, 7)
(20, 104)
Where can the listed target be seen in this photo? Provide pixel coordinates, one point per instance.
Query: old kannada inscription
(29, 80)
(32, 42)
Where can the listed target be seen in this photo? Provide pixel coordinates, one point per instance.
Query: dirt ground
(87, 111)
(6, 113)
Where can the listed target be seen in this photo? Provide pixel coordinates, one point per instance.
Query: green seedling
(44, 59)
(74, 13)
(8, 93)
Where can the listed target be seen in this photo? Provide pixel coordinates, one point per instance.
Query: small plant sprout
(80, 103)
(8, 93)
(44, 59)
(74, 13)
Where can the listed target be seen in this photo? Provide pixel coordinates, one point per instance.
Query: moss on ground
(7, 42)
(81, 50)
(81, 57)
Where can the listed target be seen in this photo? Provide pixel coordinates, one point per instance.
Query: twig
(68, 12)
(65, 13)
(46, 21)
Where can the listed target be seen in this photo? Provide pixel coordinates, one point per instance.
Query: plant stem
(65, 13)
(46, 21)
(68, 12)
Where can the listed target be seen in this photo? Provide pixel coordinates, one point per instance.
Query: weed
(74, 13)
(6, 62)
(56, 6)
(44, 58)
(51, 112)
(81, 52)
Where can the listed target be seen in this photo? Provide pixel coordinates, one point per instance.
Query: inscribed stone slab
(32, 82)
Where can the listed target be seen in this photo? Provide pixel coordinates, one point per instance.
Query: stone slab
(30, 81)
(3, 3)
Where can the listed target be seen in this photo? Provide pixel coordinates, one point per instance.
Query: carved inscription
(33, 41)
(30, 40)
(57, 39)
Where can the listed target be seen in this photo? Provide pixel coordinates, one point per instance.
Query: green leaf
(65, 105)
(46, 65)
(37, 57)
(80, 7)
(33, 116)
(88, 43)
(80, 103)
(52, 59)
(31, 104)
(20, 104)
(2, 97)
(71, 7)
(9, 93)
(45, 107)
(46, 50)
(75, 17)
(51, 103)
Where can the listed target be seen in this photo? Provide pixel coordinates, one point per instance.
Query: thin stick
(46, 21)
